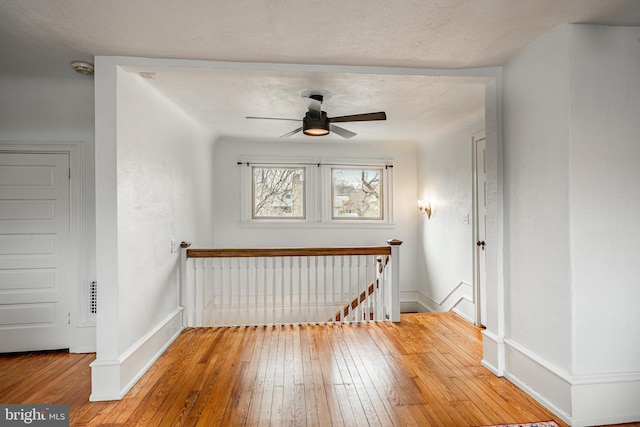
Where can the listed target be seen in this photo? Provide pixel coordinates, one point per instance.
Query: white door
(35, 268)
(480, 214)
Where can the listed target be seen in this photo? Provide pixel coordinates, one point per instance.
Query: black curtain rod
(308, 164)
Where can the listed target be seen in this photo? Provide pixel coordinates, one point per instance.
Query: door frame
(76, 266)
(478, 320)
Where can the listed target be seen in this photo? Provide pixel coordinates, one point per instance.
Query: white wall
(445, 249)
(605, 225)
(230, 233)
(571, 108)
(159, 192)
(164, 175)
(605, 199)
(40, 110)
(536, 156)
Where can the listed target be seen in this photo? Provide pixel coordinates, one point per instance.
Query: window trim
(275, 217)
(386, 165)
(247, 164)
(382, 195)
(317, 192)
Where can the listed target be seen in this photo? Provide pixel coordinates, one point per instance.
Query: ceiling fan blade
(359, 117)
(342, 132)
(272, 118)
(291, 133)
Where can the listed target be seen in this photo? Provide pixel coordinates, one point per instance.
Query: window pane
(356, 193)
(278, 192)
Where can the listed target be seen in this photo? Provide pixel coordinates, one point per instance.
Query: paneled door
(35, 268)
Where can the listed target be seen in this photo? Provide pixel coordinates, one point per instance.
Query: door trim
(478, 321)
(76, 239)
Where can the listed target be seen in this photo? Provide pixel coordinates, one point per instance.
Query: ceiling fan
(316, 122)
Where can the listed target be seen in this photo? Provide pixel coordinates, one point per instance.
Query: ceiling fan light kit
(314, 126)
(316, 122)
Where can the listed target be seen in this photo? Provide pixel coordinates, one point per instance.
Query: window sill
(308, 224)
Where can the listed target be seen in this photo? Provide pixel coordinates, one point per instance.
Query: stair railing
(267, 286)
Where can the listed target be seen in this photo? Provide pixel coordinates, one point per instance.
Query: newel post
(395, 278)
(184, 287)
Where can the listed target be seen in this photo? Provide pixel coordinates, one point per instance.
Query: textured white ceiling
(221, 98)
(41, 38)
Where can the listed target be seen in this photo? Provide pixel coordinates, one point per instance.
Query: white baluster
(333, 289)
(377, 289)
(237, 288)
(215, 292)
(202, 312)
(282, 295)
(299, 289)
(246, 307)
(315, 313)
(256, 288)
(310, 290)
(203, 284)
(222, 307)
(273, 291)
(365, 303)
(291, 291)
(227, 292)
(360, 311)
(325, 290)
(264, 287)
(347, 314)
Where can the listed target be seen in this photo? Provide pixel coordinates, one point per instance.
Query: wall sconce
(425, 207)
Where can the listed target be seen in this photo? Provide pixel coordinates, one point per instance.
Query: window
(278, 192)
(316, 192)
(356, 193)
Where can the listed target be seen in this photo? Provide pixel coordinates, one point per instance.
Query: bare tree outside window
(278, 192)
(356, 193)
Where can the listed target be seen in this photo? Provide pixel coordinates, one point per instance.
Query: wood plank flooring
(423, 371)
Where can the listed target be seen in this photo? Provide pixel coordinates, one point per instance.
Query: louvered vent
(93, 297)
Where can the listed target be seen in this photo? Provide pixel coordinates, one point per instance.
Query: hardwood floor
(422, 371)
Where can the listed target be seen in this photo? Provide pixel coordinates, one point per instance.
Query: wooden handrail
(278, 252)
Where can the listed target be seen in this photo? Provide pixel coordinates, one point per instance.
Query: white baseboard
(577, 400)
(462, 293)
(112, 379)
(105, 380)
(465, 308)
(538, 378)
(458, 301)
(412, 302)
(493, 353)
(606, 399)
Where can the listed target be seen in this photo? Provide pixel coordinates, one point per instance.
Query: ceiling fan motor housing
(315, 126)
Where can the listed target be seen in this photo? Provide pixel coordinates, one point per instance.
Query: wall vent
(93, 297)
